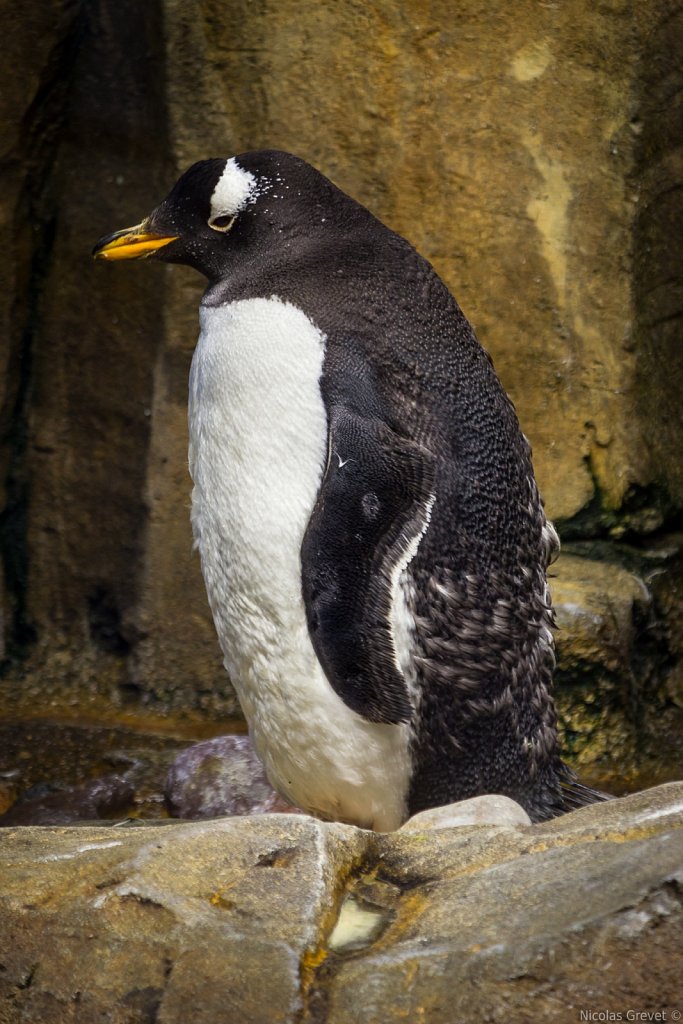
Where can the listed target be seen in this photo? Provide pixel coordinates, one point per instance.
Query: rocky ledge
(284, 918)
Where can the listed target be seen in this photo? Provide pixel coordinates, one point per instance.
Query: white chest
(258, 440)
(258, 444)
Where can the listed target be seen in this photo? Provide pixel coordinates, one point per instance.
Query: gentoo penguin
(371, 534)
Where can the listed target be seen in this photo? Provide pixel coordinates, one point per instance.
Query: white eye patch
(235, 188)
(223, 222)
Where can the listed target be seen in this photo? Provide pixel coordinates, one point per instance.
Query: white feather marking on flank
(235, 188)
(402, 616)
(258, 445)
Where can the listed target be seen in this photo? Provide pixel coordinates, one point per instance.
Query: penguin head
(222, 209)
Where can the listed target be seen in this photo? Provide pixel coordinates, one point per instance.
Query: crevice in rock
(368, 902)
(156, 1006)
(645, 513)
(27, 980)
(145, 1003)
(13, 520)
(141, 900)
(313, 966)
(104, 619)
(281, 857)
(108, 883)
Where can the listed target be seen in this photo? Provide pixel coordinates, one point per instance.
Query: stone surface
(618, 663)
(208, 923)
(596, 609)
(583, 914)
(220, 776)
(282, 918)
(491, 809)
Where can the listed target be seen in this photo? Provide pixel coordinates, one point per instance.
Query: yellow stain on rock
(549, 210)
(629, 835)
(219, 898)
(531, 61)
(313, 958)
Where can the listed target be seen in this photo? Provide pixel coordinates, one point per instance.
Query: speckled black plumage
(414, 400)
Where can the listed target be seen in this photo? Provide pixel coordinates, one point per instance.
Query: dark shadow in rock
(49, 804)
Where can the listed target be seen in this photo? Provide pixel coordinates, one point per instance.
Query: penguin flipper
(373, 507)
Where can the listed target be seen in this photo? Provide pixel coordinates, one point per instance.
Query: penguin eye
(223, 222)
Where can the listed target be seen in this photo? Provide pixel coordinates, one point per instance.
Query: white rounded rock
(492, 809)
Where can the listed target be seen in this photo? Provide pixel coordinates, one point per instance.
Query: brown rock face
(532, 152)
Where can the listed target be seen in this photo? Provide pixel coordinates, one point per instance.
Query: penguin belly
(258, 448)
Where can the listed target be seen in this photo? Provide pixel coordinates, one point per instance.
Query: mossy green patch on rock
(617, 665)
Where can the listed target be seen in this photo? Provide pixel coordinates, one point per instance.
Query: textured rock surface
(618, 673)
(282, 918)
(594, 605)
(522, 148)
(598, 608)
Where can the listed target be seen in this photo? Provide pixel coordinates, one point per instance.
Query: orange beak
(131, 244)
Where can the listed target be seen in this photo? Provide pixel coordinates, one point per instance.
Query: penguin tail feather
(575, 794)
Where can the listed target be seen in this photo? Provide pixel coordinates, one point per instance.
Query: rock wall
(80, 358)
(658, 274)
(532, 152)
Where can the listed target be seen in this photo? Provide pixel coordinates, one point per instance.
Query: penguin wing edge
(372, 510)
